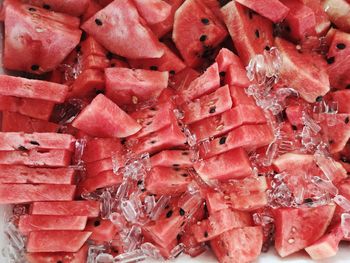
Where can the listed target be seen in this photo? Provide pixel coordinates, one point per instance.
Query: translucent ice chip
(159, 207)
(325, 185)
(345, 224)
(133, 238)
(93, 252)
(176, 251)
(129, 210)
(343, 202)
(256, 69)
(104, 258)
(15, 238)
(151, 251)
(128, 257)
(150, 203)
(311, 123)
(106, 204)
(327, 165)
(179, 114)
(191, 138)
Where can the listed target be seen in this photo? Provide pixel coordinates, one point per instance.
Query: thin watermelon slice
(101, 148)
(69, 7)
(90, 47)
(196, 43)
(240, 97)
(129, 86)
(18, 174)
(172, 158)
(71, 208)
(26, 193)
(137, 42)
(153, 11)
(103, 118)
(56, 241)
(101, 180)
(102, 230)
(94, 168)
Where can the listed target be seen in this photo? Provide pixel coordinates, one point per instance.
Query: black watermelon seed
(113, 65)
(206, 234)
(31, 9)
(83, 36)
(222, 140)
(59, 261)
(22, 148)
(250, 14)
(257, 33)
(185, 153)
(149, 123)
(153, 109)
(35, 143)
(153, 68)
(98, 22)
(203, 38)
(330, 60)
(319, 99)
(176, 169)
(34, 67)
(172, 72)
(46, 6)
(109, 55)
(212, 110)
(331, 141)
(341, 46)
(169, 214)
(307, 200)
(222, 73)
(78, 48)
(267, 48)
(178, 237)
(139, 182)
(346, 120)
(182, 212)
(153, 142)
(97, 223)
(294, 127)
(205, 21)
(347, 86)
(184, 175)
(176, 165)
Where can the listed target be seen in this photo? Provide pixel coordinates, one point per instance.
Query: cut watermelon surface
(142, 129)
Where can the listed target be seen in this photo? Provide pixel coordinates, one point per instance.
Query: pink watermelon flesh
(238, 245)
(33, 89)
(240, 97)
(290, 223)
(26, 193)
(172, 158)
(248, 202)
(136, 42)
(91, 47)
(30, 223)
(101, 148)
(27, 41)
(273, 10)
(128, 86)
(258, 30)
(208, 105)
(71, 208)
(196, 43)
(69, 7)
(215, 202)
(18, 174)
(229, 165)
(102, 230)
(88, 83)
(322, 20)
(103, 118)
(56, 241)
(101, 180)
(153, 11)
(342, 97)
(338, 12)
(94, 168)
(312, 81)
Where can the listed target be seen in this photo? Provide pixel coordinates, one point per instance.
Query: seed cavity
(31, 9)
(257, 33)
(222, 140)
(203, 38)
(153, 68)
(330, 60)
(341, 46)
(205, 21)
(98, 22)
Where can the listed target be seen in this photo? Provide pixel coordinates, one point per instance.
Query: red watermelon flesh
(246, 136)
(94, 62)
(167, 181)
(135, 40)
(71, 208)
(101, 148)
(238, 245)
(172, 158)
(294, 115)
(258, 30)
(290, 223)
(18, 174)
(88, 84)
(215, 201)
(196, 43)
(168, 62)
(78, 257)
(153, 11)
(215, 6)
(322, 20)
(233, 164)
(209, 105)
(36, 157)
(129, 86)
(33, 89)
(27, 34)
(248, 202)
(240, 97)
(26, 193)
(248, 184)
(30, 223)
(101, 180)
(342, 97)
(35, 108)
(56, 241)
(15, 140)
(273, 10)
(96, 167)
(102, 230)
(182, 79)
(15, 122)
(91, 47)
(312, 81)
(338, 12)
(93, 8)
(70, 7)
(103, 118)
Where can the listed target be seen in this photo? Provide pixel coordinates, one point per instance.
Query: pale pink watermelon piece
(101, 148)
(103, 118)
(338, 12)
(248, 202)
(322, 19)
(26, 193)
(172, 158)
(153, 11)
(102, 230)
(215, 201)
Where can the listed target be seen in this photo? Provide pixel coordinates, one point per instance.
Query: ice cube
(151, 251)
(159, 207)
(345, 225)
(177, 250)
(343, 202)
(128, 257)
(104, 258)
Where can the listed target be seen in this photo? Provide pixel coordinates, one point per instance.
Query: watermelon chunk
(273, 10)
(137, 42)
(25, 193)
(96, 167)
(342, 97)
(129, 86)
(248, 202)
(102, 230)
(196, 43)
(322, 20)
(101, 148)
(69, 7)
(103, 118)
(28, 29)
(290, 223)
(215, 201)
(238, 245)
(250, 32)
(338, 12)
(229, 165)
(18, 174)
(72, 208)
(240, 97)
(90, 47)
(172, 158)
(88, 83)
(153, 11)
(312, 81)
(30, 88)
(56, 241)
(30, 223)
(103, 179)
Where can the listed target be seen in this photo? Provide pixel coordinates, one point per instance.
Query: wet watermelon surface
(141, 130)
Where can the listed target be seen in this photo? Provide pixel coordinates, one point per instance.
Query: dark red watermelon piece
(103, 118)
(290, 223)
(94, 62)
(153, 11)
(257, 30)
(102, 230)
(197, 42)
(69, 7)
(172, 158)
(137, 42)
(101, 148)
(338, 13)
(92, 9)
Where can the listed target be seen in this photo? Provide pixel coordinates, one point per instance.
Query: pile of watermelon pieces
(143, 129)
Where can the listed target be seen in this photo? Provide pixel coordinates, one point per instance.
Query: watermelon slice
(271, 9)
(72, 208)
(240, 97)
(136, 42)
(30, 88)
(69, 7)
(56, 241)
(88, 83)
(322, 20)
(312, 81)
(128, 86)
(30, 223)
(101, 148)
(153, 11)
(342, 97)
(215, 201)
(90, 47)
(101, 180)
(172, 158)
(105, 119)
(94, 168)
(197, 42)
(25, 193)
(28, 29)
(257, 30)
(18, 174)
(102, 230)
(290, 223)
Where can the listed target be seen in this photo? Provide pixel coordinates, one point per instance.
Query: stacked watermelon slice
(134, 129)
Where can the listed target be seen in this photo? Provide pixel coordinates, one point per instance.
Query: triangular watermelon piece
(153, 11)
